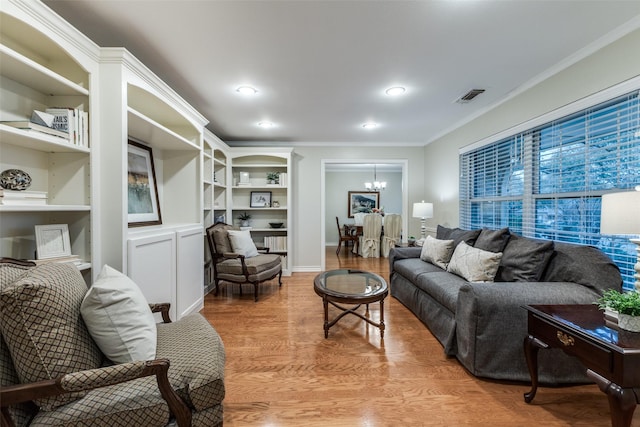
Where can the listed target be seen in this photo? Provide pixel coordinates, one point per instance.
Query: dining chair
(345, 236)
(392, 229)
(370, 239)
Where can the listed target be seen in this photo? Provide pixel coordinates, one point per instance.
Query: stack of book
(19, 198)
(75, 259)
(74, 122)
(40, 122)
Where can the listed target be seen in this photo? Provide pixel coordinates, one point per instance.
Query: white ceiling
(321, 67)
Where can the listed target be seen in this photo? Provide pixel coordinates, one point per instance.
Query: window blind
(547, 182)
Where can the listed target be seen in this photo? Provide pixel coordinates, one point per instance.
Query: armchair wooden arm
(96, 378)
(163, 309)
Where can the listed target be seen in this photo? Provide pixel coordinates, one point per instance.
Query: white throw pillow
(119, 319)
(242, 243)
(475, 265)
(437, 252)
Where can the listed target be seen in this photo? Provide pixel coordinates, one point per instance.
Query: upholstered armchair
(242, 263)
(54, 373)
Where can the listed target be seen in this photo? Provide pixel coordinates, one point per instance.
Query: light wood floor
(281, 371)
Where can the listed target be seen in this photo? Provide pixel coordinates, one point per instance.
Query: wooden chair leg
(255, 292)
(340, 246)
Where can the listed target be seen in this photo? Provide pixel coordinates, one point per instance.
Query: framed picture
(52, 241)
(143, 202)
(363, 201)
(260, 199)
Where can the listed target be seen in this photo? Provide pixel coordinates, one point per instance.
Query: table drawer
(593, 355)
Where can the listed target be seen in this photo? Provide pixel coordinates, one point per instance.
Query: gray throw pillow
(585, 265)
(524, 259)
(492, 240)
(457, 235)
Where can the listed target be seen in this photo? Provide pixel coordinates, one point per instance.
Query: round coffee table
(350, 287)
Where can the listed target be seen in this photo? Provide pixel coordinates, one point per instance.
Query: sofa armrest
(491, 313)
(403, 253)
(163, 309)
(101, 377)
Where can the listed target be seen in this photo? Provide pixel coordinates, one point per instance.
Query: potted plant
(411, 241)
(626, 304)
(244, 219)
(273, 177)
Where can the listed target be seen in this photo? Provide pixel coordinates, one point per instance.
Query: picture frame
(52, 241)
(363, 201)
(260, 199)
(143, 201)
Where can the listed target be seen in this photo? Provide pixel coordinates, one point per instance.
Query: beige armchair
(53, 374)
(229, 266)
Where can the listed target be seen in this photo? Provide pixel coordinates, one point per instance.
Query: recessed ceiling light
(395, 91)
(266, 124)
(247, 90)
(370, 125)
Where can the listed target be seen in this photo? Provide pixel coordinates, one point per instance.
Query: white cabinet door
(151, 264)
(190, 271)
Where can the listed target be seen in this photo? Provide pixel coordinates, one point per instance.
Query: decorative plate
(15, 179)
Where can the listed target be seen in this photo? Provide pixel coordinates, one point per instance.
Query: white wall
(337, 187)
(607, 67)
(307, 226)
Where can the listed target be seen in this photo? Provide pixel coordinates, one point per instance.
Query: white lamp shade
(423, 210)
(620, 213)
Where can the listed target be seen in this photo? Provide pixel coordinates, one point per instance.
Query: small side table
(612, 356)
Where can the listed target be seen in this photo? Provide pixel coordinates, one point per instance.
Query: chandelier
(376, 185)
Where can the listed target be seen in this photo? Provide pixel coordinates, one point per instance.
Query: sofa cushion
(197, 369)
(411, 268)
(492, 240)
(41, 323)
(242, 244)
(585, 265)
(119, 319)
(457, 235)
(475, 265)
(443, 287)
(437, 252)
(524, 259)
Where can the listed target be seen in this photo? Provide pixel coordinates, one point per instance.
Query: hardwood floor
(281, 371)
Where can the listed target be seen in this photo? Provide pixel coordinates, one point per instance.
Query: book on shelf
(30, 126)
(75, 259)
(73, 121)
(19, 198)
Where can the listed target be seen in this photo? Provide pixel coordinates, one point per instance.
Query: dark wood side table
(611, 355)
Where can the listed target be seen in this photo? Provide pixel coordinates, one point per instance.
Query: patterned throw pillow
(437, 252)
(41, 324)
(473, 264)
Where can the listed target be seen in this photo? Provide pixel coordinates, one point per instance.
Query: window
(547, 181)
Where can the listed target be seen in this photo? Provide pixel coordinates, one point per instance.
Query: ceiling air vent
(467, 97)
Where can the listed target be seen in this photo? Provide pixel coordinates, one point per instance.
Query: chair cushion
(197, 360)
(119, 319)
(128, 404)
(255, 265)
(41, 323)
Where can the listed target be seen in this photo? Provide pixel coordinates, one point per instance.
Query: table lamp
(620, 214)
(423, 211)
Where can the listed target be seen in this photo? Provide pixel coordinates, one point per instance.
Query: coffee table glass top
(350, 283)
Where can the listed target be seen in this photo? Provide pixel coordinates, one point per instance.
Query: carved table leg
(326, 317)
(382, 318)
(531, 347)
(622, 401)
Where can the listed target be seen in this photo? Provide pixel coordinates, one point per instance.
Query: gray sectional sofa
(483, 324)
